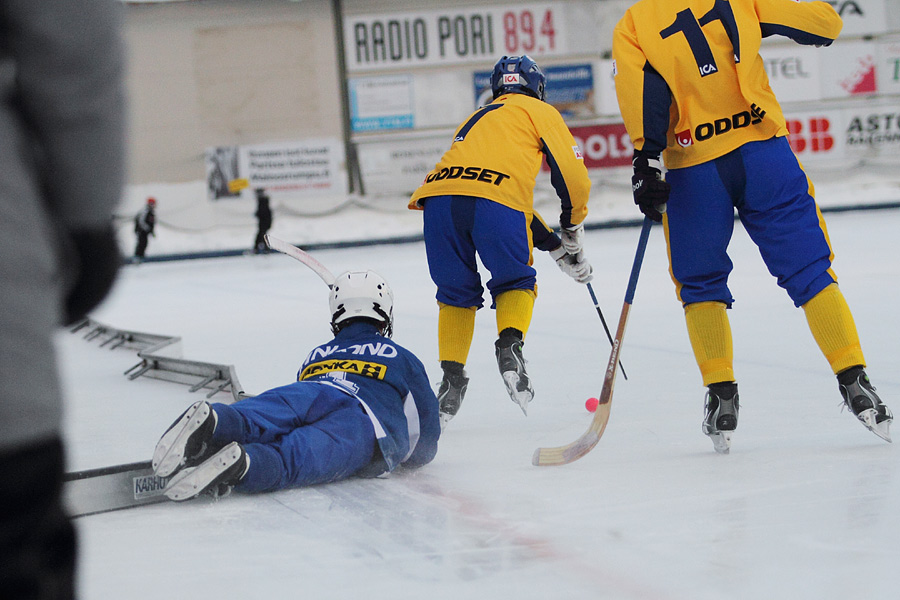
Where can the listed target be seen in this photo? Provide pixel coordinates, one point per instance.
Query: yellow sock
(710, 334)
(514, 310)
(456, 326)
(832, 325)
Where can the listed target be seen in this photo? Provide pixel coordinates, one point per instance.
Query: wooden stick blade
(563, 455)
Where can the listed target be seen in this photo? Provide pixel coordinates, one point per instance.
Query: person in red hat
(144, 222)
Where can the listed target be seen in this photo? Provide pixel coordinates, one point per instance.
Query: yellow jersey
(689, 78)
(497, 153)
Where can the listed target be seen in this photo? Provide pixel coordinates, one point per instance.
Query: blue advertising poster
(569, 88)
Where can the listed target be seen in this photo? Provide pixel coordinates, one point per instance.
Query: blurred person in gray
(62, 113)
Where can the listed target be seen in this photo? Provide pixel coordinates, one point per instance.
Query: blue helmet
(517, 75)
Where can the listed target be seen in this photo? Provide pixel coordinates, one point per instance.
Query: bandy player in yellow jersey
(693, 91)
(479, 199)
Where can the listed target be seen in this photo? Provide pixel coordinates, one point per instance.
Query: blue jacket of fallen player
(362, 405)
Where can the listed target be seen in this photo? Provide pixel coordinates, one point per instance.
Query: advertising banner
(605, 85)
(453, 35)
(851, 70)
(872, 130)
(290, 167)
(861, 17)
(793, 72)
(816, 136)
(399, 166)
(888, 69)
(847, 134)
(604, 146)
(378, 103)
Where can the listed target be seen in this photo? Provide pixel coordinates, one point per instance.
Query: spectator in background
(264, 217)
(144, 223)
(62, 115)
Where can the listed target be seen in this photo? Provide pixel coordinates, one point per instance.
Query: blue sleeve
(542, 237)
(798, 35)
(657, 101)
(429, 418)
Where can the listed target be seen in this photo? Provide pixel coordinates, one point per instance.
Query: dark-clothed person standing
(264, 219)
(144, 224)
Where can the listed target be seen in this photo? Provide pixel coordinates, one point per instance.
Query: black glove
(650, 191)
(96, 260)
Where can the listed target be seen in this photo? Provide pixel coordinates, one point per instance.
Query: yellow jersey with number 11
(689, 78)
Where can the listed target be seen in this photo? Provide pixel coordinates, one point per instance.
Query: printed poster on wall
(793, 72)
(873, 130)
(604, 146)
(833, 136)
(293, 168)
(862, 17)
(816, 136)
(605, 87)
(380, 103)
(889, 67)
(569, 88)
(399, 166)
(454, 35)
(851, 70)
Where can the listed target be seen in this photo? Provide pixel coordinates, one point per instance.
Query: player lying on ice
(362, 405)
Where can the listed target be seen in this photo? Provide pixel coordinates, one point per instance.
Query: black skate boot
(508, 350)
(722, 406)
(214, 476)
(860, 397)
(187, 441)
(452, 390)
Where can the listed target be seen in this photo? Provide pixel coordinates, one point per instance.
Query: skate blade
(169, 452)
(882, 430)
(521, 398)
(193, 481)
(721, 441)
(445, 418)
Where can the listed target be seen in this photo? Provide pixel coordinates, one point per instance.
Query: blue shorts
(458, 227)
(299, 434)
(768, 187)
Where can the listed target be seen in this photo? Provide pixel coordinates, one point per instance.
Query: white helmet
(361, 294)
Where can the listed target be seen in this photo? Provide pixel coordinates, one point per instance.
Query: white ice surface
(806, 506)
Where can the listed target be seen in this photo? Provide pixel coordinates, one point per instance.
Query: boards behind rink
(112, 488)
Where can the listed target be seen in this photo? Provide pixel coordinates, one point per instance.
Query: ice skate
(860, 397)
(512, 368)
(216, 475)
(450, 395)
(187, 441)
(722, 406)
